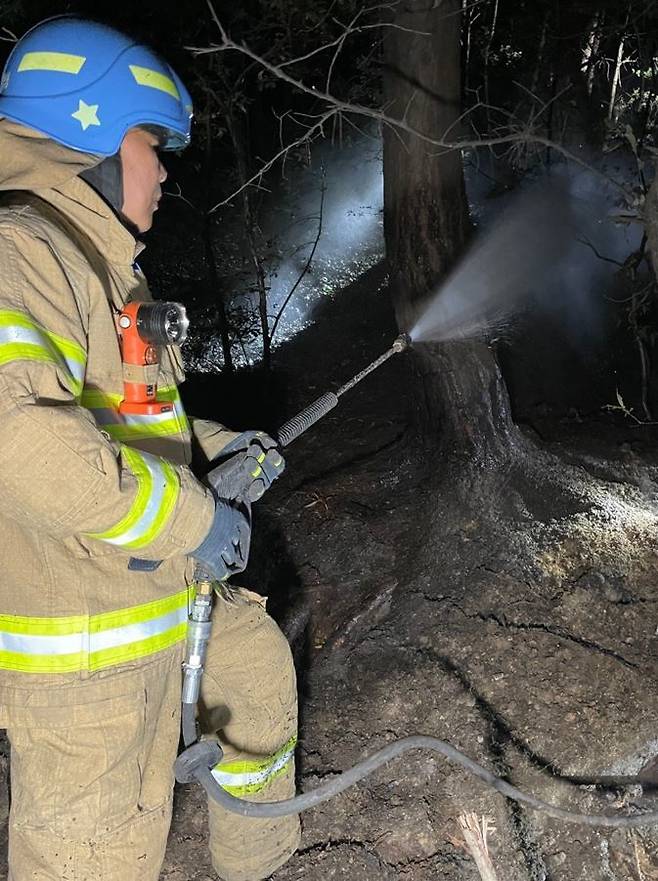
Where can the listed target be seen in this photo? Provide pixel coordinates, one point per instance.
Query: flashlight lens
(162, 324)
(176, 323)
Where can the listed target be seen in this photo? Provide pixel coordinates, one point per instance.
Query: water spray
(201, 756)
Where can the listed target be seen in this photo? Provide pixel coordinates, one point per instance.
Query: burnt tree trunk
(651, 223)
(460, 398)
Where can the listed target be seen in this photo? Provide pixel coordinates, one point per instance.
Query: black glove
(225, 550)
(254, 464)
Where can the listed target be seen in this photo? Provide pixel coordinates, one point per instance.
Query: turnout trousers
(92, 764)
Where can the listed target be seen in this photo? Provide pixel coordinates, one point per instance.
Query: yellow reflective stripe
(35, 657)
(69, 349)
(258, 469)
(249, 766)
(92, 397)
(25, 352)
(248, 776)
(137, 614)
(172, 487)
(168, 393)
(45, 664)
(144, 76)
(65, 625)
(83, 661)
(132, 427)
(22, 338)
(124, 433)
(10, 317)
(144, 486)
(149, 646)
(42, 626)
(158, 488)
(61, 62)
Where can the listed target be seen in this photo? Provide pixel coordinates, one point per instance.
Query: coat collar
(30, 161)
(85, 208)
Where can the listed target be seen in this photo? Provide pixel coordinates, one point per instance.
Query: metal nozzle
(401, 343)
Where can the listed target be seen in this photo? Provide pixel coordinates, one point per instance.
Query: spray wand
(201, 756)
(315, 411)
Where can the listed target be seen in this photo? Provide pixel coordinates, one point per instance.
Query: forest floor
(520, 624)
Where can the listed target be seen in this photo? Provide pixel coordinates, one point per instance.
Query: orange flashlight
(142, 329)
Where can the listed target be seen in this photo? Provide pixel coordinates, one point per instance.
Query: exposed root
(475, 833)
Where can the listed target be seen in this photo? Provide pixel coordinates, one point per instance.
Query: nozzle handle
(320, 407)
(308, 416)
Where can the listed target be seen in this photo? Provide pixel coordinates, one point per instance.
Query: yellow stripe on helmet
(144, 76)
(62, 62)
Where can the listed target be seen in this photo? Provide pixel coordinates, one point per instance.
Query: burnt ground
(513, 614)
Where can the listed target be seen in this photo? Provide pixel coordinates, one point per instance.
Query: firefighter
(103, 522)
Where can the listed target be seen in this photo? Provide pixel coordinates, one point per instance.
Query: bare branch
(307, 266)
(585, 241)
(309, 133)
(179, 195)
(215, 18)
(524, 135)
(352, 28)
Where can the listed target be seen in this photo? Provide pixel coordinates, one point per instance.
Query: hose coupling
(202, 754)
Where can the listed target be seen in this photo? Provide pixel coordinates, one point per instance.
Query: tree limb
(515, 138)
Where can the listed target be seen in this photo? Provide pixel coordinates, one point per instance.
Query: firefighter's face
(143, 174)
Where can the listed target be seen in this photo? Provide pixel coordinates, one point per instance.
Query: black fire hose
(200, 757)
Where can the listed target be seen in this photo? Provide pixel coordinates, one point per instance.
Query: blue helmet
(85, 85)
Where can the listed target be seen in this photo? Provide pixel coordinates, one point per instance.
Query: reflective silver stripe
(133, 426)
(27, 336)
(16, 334)
(179, 410)
(42, 645)
(84, 641)
(153, 505)
(107, 416)
(118, 636)
(252, 778)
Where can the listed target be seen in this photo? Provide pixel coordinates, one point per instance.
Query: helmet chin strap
(107, 179)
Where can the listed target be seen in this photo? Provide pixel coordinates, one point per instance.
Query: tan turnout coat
(83, 489)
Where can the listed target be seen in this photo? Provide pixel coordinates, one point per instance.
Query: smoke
(538, 254)
(345, 186)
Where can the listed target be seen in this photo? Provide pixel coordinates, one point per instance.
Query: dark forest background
(554, 85)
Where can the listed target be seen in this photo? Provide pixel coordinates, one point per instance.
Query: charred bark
(460, 398)
(651, 223)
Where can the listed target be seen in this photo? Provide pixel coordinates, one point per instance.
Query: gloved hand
(254, 464)
(225, 550)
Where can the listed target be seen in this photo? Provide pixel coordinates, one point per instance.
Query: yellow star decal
(86, 114)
